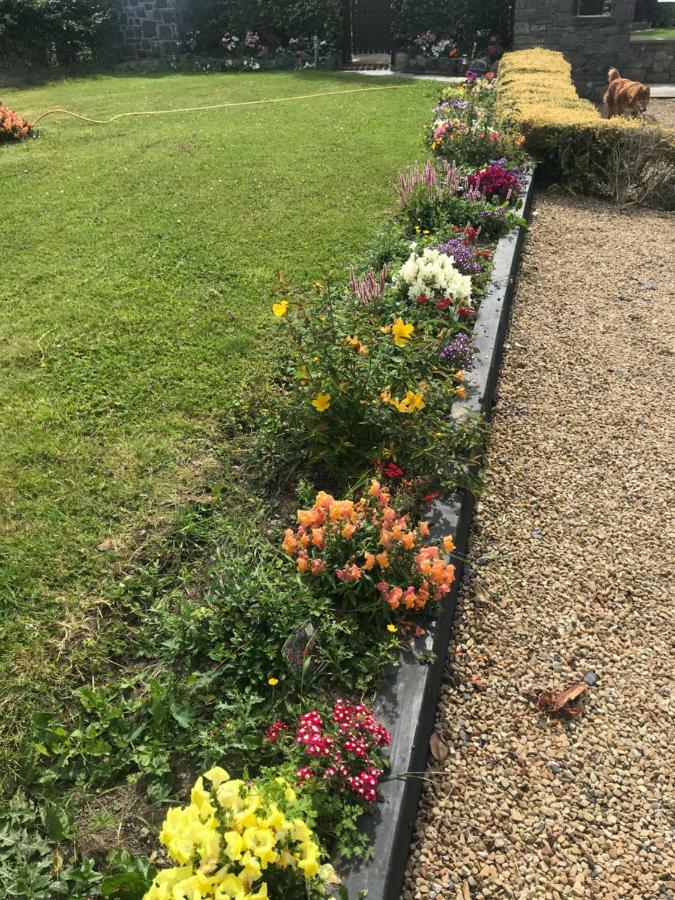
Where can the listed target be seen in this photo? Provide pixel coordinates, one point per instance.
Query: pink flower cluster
(368, 287)
(344, 751)
(365, 784)
(495, 181)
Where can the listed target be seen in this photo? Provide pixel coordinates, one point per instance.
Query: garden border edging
(406, 703)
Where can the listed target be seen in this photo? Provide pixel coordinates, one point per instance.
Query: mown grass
(654, 34)
(137, 259)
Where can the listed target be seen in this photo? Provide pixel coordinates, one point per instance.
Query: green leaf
(126, 886)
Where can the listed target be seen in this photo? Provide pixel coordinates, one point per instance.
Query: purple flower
(463, 254)
(471, 77)
(459, 352)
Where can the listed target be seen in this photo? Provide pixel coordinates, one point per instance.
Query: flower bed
(370, 377)
(265, 673)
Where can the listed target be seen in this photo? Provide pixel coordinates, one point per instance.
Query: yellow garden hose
(162, 112)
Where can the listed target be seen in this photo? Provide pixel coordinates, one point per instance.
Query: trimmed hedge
(625, 159)
(271, 19)
(55, 32)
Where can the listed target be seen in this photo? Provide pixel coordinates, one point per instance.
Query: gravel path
(572, 561)
(664, 112)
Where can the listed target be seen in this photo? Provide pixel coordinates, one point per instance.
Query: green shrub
(464, 20)
(621, 159)
(55, 32)
(274, 20)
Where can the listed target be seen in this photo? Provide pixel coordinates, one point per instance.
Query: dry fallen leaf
(107, 544)
(481, 594)
(438, 747)
(565, 704)
(568, 695)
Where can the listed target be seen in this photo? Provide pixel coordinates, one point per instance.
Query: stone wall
(651, 61)
(591, 43)
(150, 27)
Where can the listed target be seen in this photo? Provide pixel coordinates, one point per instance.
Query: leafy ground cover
(137, 257)
(227, 646)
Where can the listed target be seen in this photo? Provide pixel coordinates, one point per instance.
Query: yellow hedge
(626, 159)
(536, 89)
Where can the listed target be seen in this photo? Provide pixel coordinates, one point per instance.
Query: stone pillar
(150, 28)
(591, 43)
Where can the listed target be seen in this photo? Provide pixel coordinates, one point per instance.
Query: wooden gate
(371, 26)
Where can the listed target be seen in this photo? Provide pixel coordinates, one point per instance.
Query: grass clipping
(627, 160)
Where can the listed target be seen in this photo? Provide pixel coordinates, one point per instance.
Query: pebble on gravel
(526, 806)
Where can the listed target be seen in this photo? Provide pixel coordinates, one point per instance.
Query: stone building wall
(150, 27)
(591, 43)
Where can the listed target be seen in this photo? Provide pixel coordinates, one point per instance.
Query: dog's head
(642, 97)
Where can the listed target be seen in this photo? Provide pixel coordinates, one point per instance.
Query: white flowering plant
(431, 278)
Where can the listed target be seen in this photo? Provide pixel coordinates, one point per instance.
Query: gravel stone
(531, 807)
(663, 111)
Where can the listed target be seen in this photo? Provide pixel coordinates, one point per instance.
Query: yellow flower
(459, 375)
(402, 332)
(235, 845)
(231, 886)
(273, 681)
(217, 776)
(321, 402)
(318, 287)
(280, 309)
(386, 329)
(392, 628)
(412, 401)
(460, 392)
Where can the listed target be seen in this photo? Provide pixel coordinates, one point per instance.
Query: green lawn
(654, 34)
(137, 259)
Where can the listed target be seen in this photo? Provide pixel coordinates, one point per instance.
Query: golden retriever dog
(625, 96)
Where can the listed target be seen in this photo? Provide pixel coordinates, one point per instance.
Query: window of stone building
(595, 8)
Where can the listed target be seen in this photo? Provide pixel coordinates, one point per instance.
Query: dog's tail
(613, 74)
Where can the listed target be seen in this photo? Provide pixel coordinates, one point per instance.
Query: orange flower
(374, 489)
(290, 543)
(424, 528)
(324, 500)
(370, 562)
(394, 597)
(383, 560)
(353, 573)
(342, 509)
(317, 566)
(385, 538)
(302, 563)
(408, 541)
(317, 537)
(448, 544)
(348, 531)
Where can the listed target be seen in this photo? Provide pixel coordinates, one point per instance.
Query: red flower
(464, 312)
(422, 299)
(272, 733)
(444, 303)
